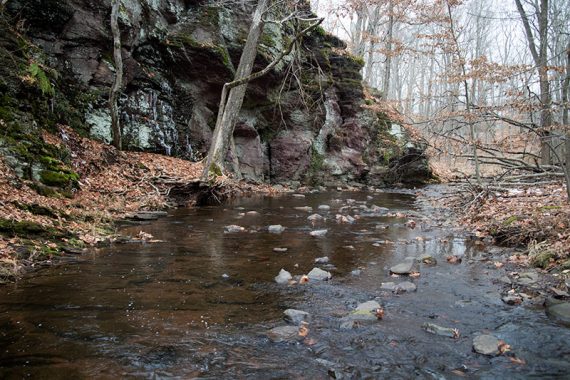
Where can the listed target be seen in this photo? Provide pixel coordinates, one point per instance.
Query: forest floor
(115, 185)
(535, 219)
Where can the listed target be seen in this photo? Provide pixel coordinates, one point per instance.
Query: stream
(197, 302)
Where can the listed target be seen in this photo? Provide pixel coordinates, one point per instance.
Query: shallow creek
(198, 303)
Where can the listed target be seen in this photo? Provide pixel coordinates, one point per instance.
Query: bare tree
(118, 83)
(233, 92)
(540, 57)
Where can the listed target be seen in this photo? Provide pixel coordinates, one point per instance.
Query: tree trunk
(232, 98)
(565, 106)
(118, 83)
(540, 57)
(388, 69)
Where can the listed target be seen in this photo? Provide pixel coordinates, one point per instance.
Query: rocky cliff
(303, 122)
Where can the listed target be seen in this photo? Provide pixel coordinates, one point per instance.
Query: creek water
(197, 304)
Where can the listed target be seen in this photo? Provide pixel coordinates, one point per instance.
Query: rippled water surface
(197, 304)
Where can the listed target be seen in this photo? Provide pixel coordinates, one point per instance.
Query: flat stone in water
(405, 286)
(315, 218)
(440, 330)
(318, 233)
(289, 334)
(486, 345)
(559, 312)
(276, 229)
(403, 268)
(233, 229)
(318, 274)
(296, 316)
(388, 286)
(148, 215)
(283, 277)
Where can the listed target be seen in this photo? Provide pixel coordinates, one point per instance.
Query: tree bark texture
(118, 83)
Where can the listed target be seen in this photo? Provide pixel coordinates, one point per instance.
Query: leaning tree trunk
(229, 109)
(118, 83)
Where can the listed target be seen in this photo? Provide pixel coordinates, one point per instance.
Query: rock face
(177, 56)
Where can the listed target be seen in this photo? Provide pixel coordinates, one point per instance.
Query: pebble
(404, 287)
(322, 260)
(233, 229)
(318, 233)
(403, 268)
(298, 195)
(356, 272)
(324, 207)
(283, 277)
(304, 208)
(388, 286)
(288, 334)
(276, 229)
(279, 249)
(315, 217)
(512, 300)
(439, 330)
(296, 316)
(318, 274)
(486, 345)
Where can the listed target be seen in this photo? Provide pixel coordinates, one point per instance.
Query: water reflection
(197, 303)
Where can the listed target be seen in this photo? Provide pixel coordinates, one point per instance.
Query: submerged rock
(405, 286)
(559, 311)
(296, 316)
(388, 286)
(364, 313)
(288, 334)
(318, 274)
(486, 345)
(283, 277)
(440, 330)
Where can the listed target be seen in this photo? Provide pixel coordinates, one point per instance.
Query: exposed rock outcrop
(177, 54)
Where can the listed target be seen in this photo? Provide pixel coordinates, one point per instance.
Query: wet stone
(512, 300)
(527, 278)
(432, 328)
(304, 208)
(288, 334)
(560, 312)
(427, 260)
(233, 229)
(324, 207)
(148, 215)
(283, 277)
(315, 218)
(388, 286)
(404, 287)
(280, 249)
(356, 272)
(322, 260)
(317, 274)
(298, 195)
(276, 229)
(486, 345)
(403, 268)
(318, 233)
(296, 316)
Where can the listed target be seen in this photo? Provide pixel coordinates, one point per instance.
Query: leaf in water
(503, 347)
(516, 360)
(303, 329)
